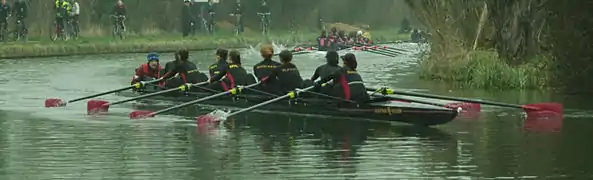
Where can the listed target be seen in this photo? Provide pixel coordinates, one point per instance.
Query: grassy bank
(43, 47)
(484, 69)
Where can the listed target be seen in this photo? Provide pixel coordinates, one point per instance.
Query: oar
(143, 113)
(538, 109)
(379, 48)
(455, 106)
(299, 50)
(382, 48)
(102, 106)
(56, 102)
(385, 50)
(375, 52)
(217, 117)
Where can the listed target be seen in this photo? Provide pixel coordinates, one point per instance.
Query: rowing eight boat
(378, 109)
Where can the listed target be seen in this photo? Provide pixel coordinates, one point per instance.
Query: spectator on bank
(188, 20)
(120, 11)
(20, 11)
(4, 15)
(74, 15)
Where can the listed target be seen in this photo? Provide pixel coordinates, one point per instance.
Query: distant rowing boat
(376, 110)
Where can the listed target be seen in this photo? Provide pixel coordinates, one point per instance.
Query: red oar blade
(97, 107)
(466, 107)
(544, 110)
(214, 117)
(54, 102)
(141, 114)
(544, 117)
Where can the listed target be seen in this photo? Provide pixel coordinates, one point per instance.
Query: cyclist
(119, 12)
(20, 12)
(4, 15)
(63, 9)
(74, 15)
(237, 13)
(264, 11)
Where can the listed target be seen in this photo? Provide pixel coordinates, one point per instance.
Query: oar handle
(135, 85)
(386, 91)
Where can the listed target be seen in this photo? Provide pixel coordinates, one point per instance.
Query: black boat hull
(378, 110)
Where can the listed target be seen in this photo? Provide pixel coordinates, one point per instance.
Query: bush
(484, 69)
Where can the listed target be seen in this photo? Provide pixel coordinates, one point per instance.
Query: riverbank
(39, 47)
(484, 69)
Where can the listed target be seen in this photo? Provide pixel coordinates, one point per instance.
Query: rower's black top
(218, 67)
(188, 72)
(347, 84)
(327, 69)
(235, 75)
(264, 68)
(287, 77)
(262, 71)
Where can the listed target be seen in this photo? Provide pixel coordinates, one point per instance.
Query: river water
(63, 143)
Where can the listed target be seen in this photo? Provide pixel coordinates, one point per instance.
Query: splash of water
(277, 46)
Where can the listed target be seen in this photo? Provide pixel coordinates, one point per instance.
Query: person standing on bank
(187, 19)
(238, 13)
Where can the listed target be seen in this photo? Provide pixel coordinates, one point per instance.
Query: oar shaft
(100, 94)
(412, 100)
(269, 101)
(380, 53)
(112, 91)
(202, 99)
(156, 93)
(454, 99)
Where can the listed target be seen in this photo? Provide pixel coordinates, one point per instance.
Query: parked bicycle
(119, 26)
(20, 32)
(208, 23)
(64, 33)
(265, 22)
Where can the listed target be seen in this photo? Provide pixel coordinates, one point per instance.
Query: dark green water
(63, 143)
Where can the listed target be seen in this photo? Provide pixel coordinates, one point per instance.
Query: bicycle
(74, 25)
(118, 28)
(70, 30)
(20, 32)
(265, 22)
(192, 28)
(237, 24)
(64, 33)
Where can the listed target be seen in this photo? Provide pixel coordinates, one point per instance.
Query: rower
(347, 83)
(149, 70)
(287, 75)
(327, 69)
(322, 41)
(264, 68)
(221, 62)
(234, 74)
(186, 70)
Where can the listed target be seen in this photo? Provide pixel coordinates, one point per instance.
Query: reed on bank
(485, 69)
